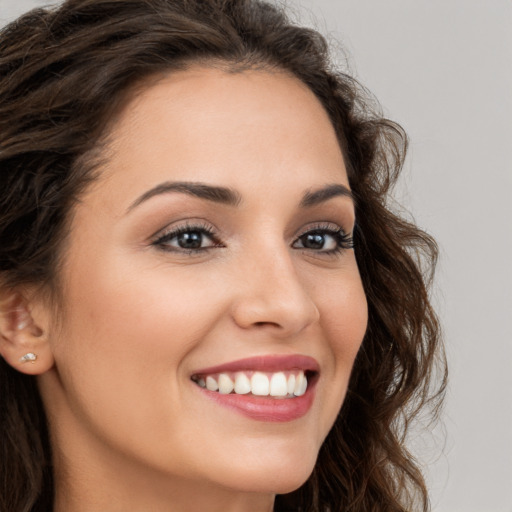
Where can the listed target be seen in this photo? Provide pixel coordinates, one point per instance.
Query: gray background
(443, 69)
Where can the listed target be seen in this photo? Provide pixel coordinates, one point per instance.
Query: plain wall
(443, 69)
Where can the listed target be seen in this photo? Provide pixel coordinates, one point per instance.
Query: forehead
(211, 125)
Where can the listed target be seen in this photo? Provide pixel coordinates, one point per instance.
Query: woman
(206, 302)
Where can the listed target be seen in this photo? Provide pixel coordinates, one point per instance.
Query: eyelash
(344, 241)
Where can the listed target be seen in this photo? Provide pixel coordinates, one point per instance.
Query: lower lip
(265, 408)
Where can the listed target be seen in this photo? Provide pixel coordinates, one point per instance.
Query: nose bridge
(273, 294)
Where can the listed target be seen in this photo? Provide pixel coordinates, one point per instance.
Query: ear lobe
(23, 343)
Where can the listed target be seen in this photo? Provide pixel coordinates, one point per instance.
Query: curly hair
(65, 73)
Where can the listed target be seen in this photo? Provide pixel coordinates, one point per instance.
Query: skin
(131, 431)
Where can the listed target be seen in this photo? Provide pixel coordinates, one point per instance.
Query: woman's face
(217, 240)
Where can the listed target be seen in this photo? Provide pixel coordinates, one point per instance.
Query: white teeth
(291, 384)
(259, 384)
(304, 386)
(301, 384)
(242, 384)
(211, 384)
(278, 385)
(225, 384)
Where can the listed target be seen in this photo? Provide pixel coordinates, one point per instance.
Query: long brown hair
(64, 73)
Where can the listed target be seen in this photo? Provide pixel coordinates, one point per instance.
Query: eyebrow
(213, 193)
(230, 197)
(315, 197)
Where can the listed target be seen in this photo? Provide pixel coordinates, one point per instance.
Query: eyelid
(183, 224)
(332, 227)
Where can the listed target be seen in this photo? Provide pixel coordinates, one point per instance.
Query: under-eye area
(280, 384)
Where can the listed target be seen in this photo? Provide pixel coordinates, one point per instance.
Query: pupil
(190, 240)
(314, 241)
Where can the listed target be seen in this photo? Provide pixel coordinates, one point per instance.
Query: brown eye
(188, 238)
(325, 240)
(316, 241)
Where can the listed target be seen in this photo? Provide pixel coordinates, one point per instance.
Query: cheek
(343, 312)
(125, 339)
(122, 362)
(344, 318)
(144, 309)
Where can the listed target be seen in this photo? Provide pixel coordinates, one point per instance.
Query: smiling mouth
(280, 384)
(270, 388)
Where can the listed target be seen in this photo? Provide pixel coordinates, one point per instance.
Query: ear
(23, 342)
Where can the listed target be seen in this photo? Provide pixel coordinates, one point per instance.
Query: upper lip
(265, 363)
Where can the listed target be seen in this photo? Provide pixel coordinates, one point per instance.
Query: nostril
(263, 324)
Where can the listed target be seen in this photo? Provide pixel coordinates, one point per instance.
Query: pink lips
(265, 364)
(266, 408)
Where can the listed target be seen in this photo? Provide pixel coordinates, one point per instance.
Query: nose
(270, 295)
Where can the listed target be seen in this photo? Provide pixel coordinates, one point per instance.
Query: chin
(278, 474)
(272, 482)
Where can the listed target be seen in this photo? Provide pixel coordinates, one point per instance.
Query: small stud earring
(28, 358)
